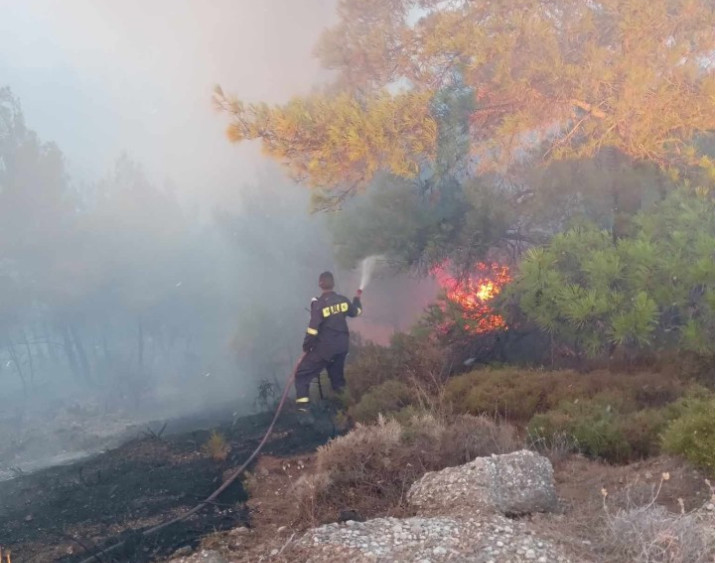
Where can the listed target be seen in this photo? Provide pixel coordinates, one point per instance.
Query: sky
(100, 77)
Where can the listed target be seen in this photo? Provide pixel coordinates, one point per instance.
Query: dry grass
(643, 516)
(216, 447)
(558, 448)
(650, 533)
(371, 468)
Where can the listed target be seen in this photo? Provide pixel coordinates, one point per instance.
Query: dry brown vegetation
(371, 468)
(216, 447)
(644, 517)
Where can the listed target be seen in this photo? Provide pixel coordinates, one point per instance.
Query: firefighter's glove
(309, 342)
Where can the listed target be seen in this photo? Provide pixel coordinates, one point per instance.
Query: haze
(174, 277)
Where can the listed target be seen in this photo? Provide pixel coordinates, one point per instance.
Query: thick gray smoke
(149, 268)
(145, 286)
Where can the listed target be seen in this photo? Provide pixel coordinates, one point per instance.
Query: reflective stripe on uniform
(303, 400)
(311, 331)
(359, 311)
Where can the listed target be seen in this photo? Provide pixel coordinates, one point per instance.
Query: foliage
(691, 434)
(635, 75)
(327, 140)
(642, 430)
(593, 423)
(410, 360)
(388, 397)
(617, 425)
(518, 394)
(652, 289)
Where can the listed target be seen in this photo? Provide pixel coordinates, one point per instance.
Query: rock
(517, 483)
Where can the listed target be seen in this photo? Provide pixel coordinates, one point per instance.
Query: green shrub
(691, 434)
(593, 423)
(408, 359)
(642, 430)
(516, 394)
(388, 397)
(519, 394)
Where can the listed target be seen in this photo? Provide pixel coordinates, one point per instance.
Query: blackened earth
(67, 513)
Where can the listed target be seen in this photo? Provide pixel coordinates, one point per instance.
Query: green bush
(691, 434)
(516, 394)
(594, 424)
(519, 394)
(642, 430)
(652, 290)
(388, 397)
(409, 359)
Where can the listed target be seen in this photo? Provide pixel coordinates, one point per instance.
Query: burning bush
(465, 303)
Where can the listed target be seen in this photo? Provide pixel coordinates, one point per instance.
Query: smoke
(166, 281)
(177, 277)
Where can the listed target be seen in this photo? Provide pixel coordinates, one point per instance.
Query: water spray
(367, 266)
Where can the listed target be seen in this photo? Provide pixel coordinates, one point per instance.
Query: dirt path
(62, 513)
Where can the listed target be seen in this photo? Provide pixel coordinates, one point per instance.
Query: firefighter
(326, 341)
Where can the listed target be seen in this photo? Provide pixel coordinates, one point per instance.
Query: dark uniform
(326, 342)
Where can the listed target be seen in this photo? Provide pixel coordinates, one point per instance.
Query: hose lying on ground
(212, 497)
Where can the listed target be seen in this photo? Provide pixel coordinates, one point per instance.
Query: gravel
(421, 539)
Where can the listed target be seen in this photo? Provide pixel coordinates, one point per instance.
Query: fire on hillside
(472, 294)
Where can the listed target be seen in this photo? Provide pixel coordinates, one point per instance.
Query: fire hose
(212, 497)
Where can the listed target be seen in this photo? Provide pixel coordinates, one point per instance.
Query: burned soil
(67, 513)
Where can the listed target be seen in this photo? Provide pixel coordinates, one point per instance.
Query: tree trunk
(41, 351)
(105, 345)
(18, 367)
(81, 355)
(51, 351)
(70, 352)
(140, 344)
(29, 358)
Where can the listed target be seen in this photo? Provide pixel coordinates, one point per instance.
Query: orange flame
(472, 295)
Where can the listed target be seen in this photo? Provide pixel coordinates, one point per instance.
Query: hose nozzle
(359, 292)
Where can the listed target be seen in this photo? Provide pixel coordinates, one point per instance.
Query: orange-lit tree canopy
(564, 78)
(466, 302)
